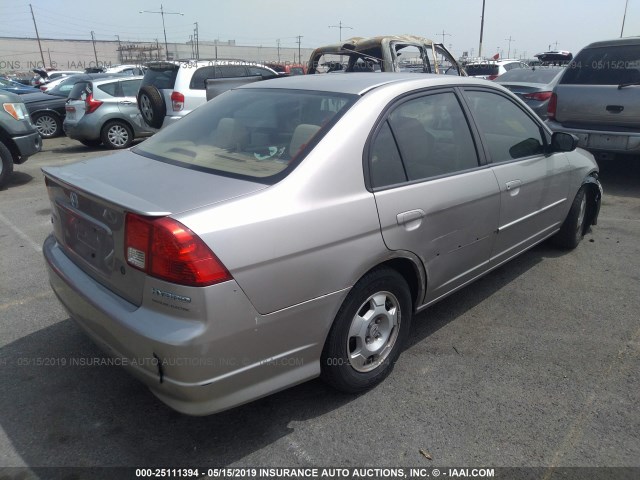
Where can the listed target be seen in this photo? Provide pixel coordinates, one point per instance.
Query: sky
(533, 26)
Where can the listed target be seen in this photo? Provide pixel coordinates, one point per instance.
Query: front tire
(47, 124)
(573, 228)
(117, 135)
(6, 165)
(368, 333)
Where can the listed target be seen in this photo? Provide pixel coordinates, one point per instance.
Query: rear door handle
(615, 108)
(126, 102)
(411, 219)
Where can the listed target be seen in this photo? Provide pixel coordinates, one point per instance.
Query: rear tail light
(69, 108)
(177, 101)
(552, 106)
(166, 249)
(90, 104)
(540, 96)
(492, 77)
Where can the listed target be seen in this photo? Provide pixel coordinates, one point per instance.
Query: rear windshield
(255, 133)
(80, 90)
(161, 76)
(481, 69)
(604, 66)
(528, 75)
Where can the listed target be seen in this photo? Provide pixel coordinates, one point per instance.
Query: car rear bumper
(601, 140)
(28, 145)
(81, 131)
(198, 367)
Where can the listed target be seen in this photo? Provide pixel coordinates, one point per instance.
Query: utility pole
(196, 37)
(38, 36)
(216, 43)
(481, 30)
(509, 40)
(119, 48)
(163, 13)
(93, 40)
(278, 42)
(299, 37)
(626, 4)
(340, 26)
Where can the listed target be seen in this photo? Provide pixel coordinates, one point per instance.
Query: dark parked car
(7, 85)
(533, 85)
(47, 109)
(598, 97)
(18, 137)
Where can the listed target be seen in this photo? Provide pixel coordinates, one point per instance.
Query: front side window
(255, 133)
(432, 136)
(509, 133)
(130, 87)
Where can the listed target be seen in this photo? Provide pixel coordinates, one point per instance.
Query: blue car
(15, 87)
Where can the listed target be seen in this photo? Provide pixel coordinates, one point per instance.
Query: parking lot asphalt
(536, 364)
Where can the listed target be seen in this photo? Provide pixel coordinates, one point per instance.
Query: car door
(434, 196)
(128, 103)
(534, 184)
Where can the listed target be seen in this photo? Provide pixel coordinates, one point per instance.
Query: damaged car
(390, 53)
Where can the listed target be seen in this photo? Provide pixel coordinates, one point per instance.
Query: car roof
(113, 78)
(358, 83)
(616, 42)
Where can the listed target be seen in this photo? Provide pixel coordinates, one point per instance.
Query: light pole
(509, 40)
(163, 13)
(626, 4)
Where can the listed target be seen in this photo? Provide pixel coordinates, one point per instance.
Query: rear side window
(612, 65)
(230, 71)
(251, 132)
(199, 79)
(110, 89)
(161, 76)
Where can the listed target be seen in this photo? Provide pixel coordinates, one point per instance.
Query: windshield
(540, 75)
(256, 133)
(611, 65)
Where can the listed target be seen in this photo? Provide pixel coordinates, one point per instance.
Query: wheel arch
(593, 189)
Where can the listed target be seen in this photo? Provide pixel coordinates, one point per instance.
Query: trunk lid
(90, 199)
(598, 105)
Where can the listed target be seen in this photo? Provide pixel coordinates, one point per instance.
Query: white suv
(491, 69)
(172, 89)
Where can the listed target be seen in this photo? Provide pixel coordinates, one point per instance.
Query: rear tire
(151, 106)
(573, 228)
(6, 165)
(368, 333)
(117, 135)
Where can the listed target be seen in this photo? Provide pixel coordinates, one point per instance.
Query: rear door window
(612, 65)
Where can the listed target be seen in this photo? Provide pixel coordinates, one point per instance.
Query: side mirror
(563, 142)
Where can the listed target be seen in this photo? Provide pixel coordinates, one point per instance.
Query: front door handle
(513, 184)
(614, 108)
(411, 219)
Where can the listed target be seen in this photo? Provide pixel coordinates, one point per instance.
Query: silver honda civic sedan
(291, 228)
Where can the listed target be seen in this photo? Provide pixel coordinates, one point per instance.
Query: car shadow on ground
(55, 415)
(620, 176)
(17, 179)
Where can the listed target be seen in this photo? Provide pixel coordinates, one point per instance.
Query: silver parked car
(598, 97)
(105, 111)
(533, 85)
(290, 229)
